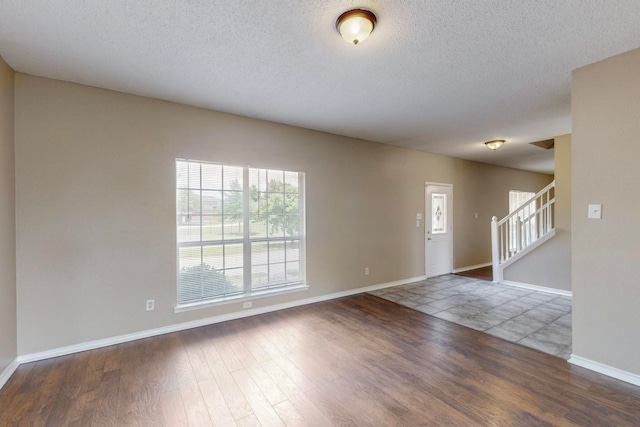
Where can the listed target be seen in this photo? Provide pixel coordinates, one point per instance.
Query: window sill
(196, 305)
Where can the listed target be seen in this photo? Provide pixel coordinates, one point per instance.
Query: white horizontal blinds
(209, 209)
(275, 232)
(188, 230)
(216, 233)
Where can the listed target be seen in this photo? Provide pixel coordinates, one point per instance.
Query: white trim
(607, 370)
(471, 267)
(8, 371)
(537, 288)
(90, 345)
(385, 285)
(239, 298)
(437, 183)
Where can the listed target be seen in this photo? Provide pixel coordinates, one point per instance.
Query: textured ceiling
(438, 76)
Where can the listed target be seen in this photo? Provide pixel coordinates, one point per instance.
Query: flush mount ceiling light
(494, 144)
(355, 25)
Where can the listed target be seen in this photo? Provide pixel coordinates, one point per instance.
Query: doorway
(438, 229)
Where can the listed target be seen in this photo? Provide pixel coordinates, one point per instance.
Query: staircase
(523, 230)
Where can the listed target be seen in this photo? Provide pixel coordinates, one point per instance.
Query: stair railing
(519, 230)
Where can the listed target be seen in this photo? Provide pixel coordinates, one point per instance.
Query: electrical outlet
(151, 304)
(366, 271)
(247, 304)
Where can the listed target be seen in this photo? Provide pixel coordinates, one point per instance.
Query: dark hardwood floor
(355, 361)
(483, 273)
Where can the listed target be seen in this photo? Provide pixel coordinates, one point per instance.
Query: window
(240, 231)
(439, 213)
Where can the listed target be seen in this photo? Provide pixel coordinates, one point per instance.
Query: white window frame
(249, 289)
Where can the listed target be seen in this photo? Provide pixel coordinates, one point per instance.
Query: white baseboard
(90, 345)
(471, 267)
(537, 288)
(605, 369)
(8, 371)
(6, 374)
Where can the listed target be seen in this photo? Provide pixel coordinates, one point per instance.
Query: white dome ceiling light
(355, 25)
(495, 144)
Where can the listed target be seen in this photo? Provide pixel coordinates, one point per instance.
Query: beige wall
(478, 188)
(95, 207)
(549, 265)
(563, 182)
(8, 343)
(606, 252)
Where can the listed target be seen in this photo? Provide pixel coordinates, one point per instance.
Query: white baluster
(495, 249)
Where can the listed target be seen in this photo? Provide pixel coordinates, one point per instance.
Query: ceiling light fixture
(355, 25)
(495, 144)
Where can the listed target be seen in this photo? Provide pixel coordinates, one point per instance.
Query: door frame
(450, 223)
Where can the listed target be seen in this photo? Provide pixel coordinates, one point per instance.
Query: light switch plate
(419, 216)
(595, 212)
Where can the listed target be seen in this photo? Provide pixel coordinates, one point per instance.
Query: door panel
(438, 229)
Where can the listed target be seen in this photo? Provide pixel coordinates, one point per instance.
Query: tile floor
(534, 319)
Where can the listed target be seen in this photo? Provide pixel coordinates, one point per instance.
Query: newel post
(495, 249)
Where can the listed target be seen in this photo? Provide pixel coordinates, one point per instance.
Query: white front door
(438, 229)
